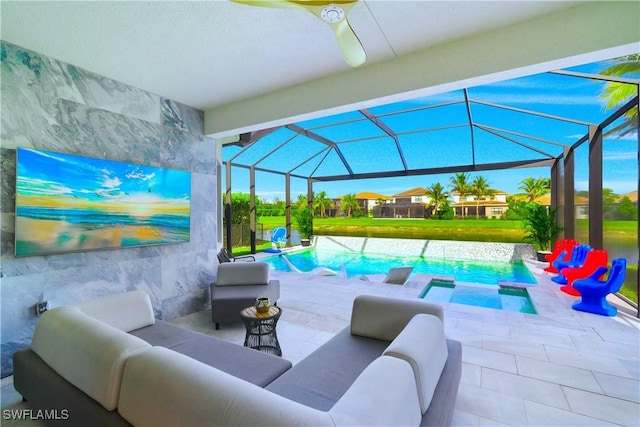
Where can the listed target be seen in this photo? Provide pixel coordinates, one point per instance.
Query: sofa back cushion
(126, 311)
(423, 345)
(384, 394)
(243, 273)
(383, 318)
(86, 352)
(162, 387)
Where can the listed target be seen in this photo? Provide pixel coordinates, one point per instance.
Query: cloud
(620, 155)
(137, 174)
(111, 182)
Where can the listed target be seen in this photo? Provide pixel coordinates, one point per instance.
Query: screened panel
(292, 154)
(254, 152)
(490, 148)
(311, 164)
(330, 120)
(528, 124)
(348, 131)
(435, 117)
(620, 204)
(331, 165)
(550, 148)
(554, 94)
(374, 155)
(581, 199)
(437, 149)
(443, 98)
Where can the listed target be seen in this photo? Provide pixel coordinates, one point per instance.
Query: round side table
(261, 329)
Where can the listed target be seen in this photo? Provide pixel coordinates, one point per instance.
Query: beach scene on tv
(67, 203)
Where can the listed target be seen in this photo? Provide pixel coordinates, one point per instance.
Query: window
(496, 211)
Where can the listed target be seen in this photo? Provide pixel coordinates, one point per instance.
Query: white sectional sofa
(395, 366)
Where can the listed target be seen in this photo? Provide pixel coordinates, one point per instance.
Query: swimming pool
(358, 264)
(503, 298)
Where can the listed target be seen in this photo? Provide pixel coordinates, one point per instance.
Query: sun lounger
(319, 271)
(395, 276)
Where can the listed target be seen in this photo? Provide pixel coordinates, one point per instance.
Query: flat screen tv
(67, 203)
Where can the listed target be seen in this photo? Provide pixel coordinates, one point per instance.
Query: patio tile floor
(560, 367)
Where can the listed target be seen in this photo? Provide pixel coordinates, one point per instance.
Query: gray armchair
(237, 287)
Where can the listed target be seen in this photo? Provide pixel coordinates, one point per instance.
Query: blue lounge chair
(279, 236)
(278, 239)
(594, 292)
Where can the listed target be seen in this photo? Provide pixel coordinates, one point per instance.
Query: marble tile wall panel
(181, 116)
(54, 106)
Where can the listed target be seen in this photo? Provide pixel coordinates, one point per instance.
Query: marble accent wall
(54, 106)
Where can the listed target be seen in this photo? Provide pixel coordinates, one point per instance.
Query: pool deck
(560, 367)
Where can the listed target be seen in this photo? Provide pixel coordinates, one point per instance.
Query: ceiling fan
(334, 13)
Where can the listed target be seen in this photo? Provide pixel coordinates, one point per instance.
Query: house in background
(413, 203)
(492, 206)
(366, 200)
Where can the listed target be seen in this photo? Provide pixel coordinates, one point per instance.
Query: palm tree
(321, 202)
(480, 188)
(301, 202)
(460, 183)
(349, 204)
(438, 196)
(535, 187)
(615, 94)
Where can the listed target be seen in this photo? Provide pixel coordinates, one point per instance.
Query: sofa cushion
(383, 318)
(86, 352)
(384, 394)
(423, 345)
(237, 274)
(126, 310)
(322, 378)
(253, 366)
(165, 388)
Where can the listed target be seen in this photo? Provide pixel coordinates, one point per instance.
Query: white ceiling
(210, 54)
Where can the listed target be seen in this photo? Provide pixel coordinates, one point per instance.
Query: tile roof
(418, 191)
(371, 195)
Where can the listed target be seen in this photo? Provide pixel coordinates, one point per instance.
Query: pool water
(358, 264)
(503, 298)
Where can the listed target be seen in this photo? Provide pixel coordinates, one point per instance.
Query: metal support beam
(287, 208)
(252, 208)
(383, 127)
(310, 194)
(324, 141)
(227, 206)
(637, 105)
(471, 132)
(595, 187)
(569, 195)
(556, 201)
(534, 163)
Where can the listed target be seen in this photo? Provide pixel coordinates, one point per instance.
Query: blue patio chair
(279, 236)
(578, 257)
(594, 292)
(278, 239)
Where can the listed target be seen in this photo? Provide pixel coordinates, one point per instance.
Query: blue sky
(49, 174)
(568, 97)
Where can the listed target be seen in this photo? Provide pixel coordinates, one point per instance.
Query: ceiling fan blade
(351, 48)
(336, 17)
(270, 3)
